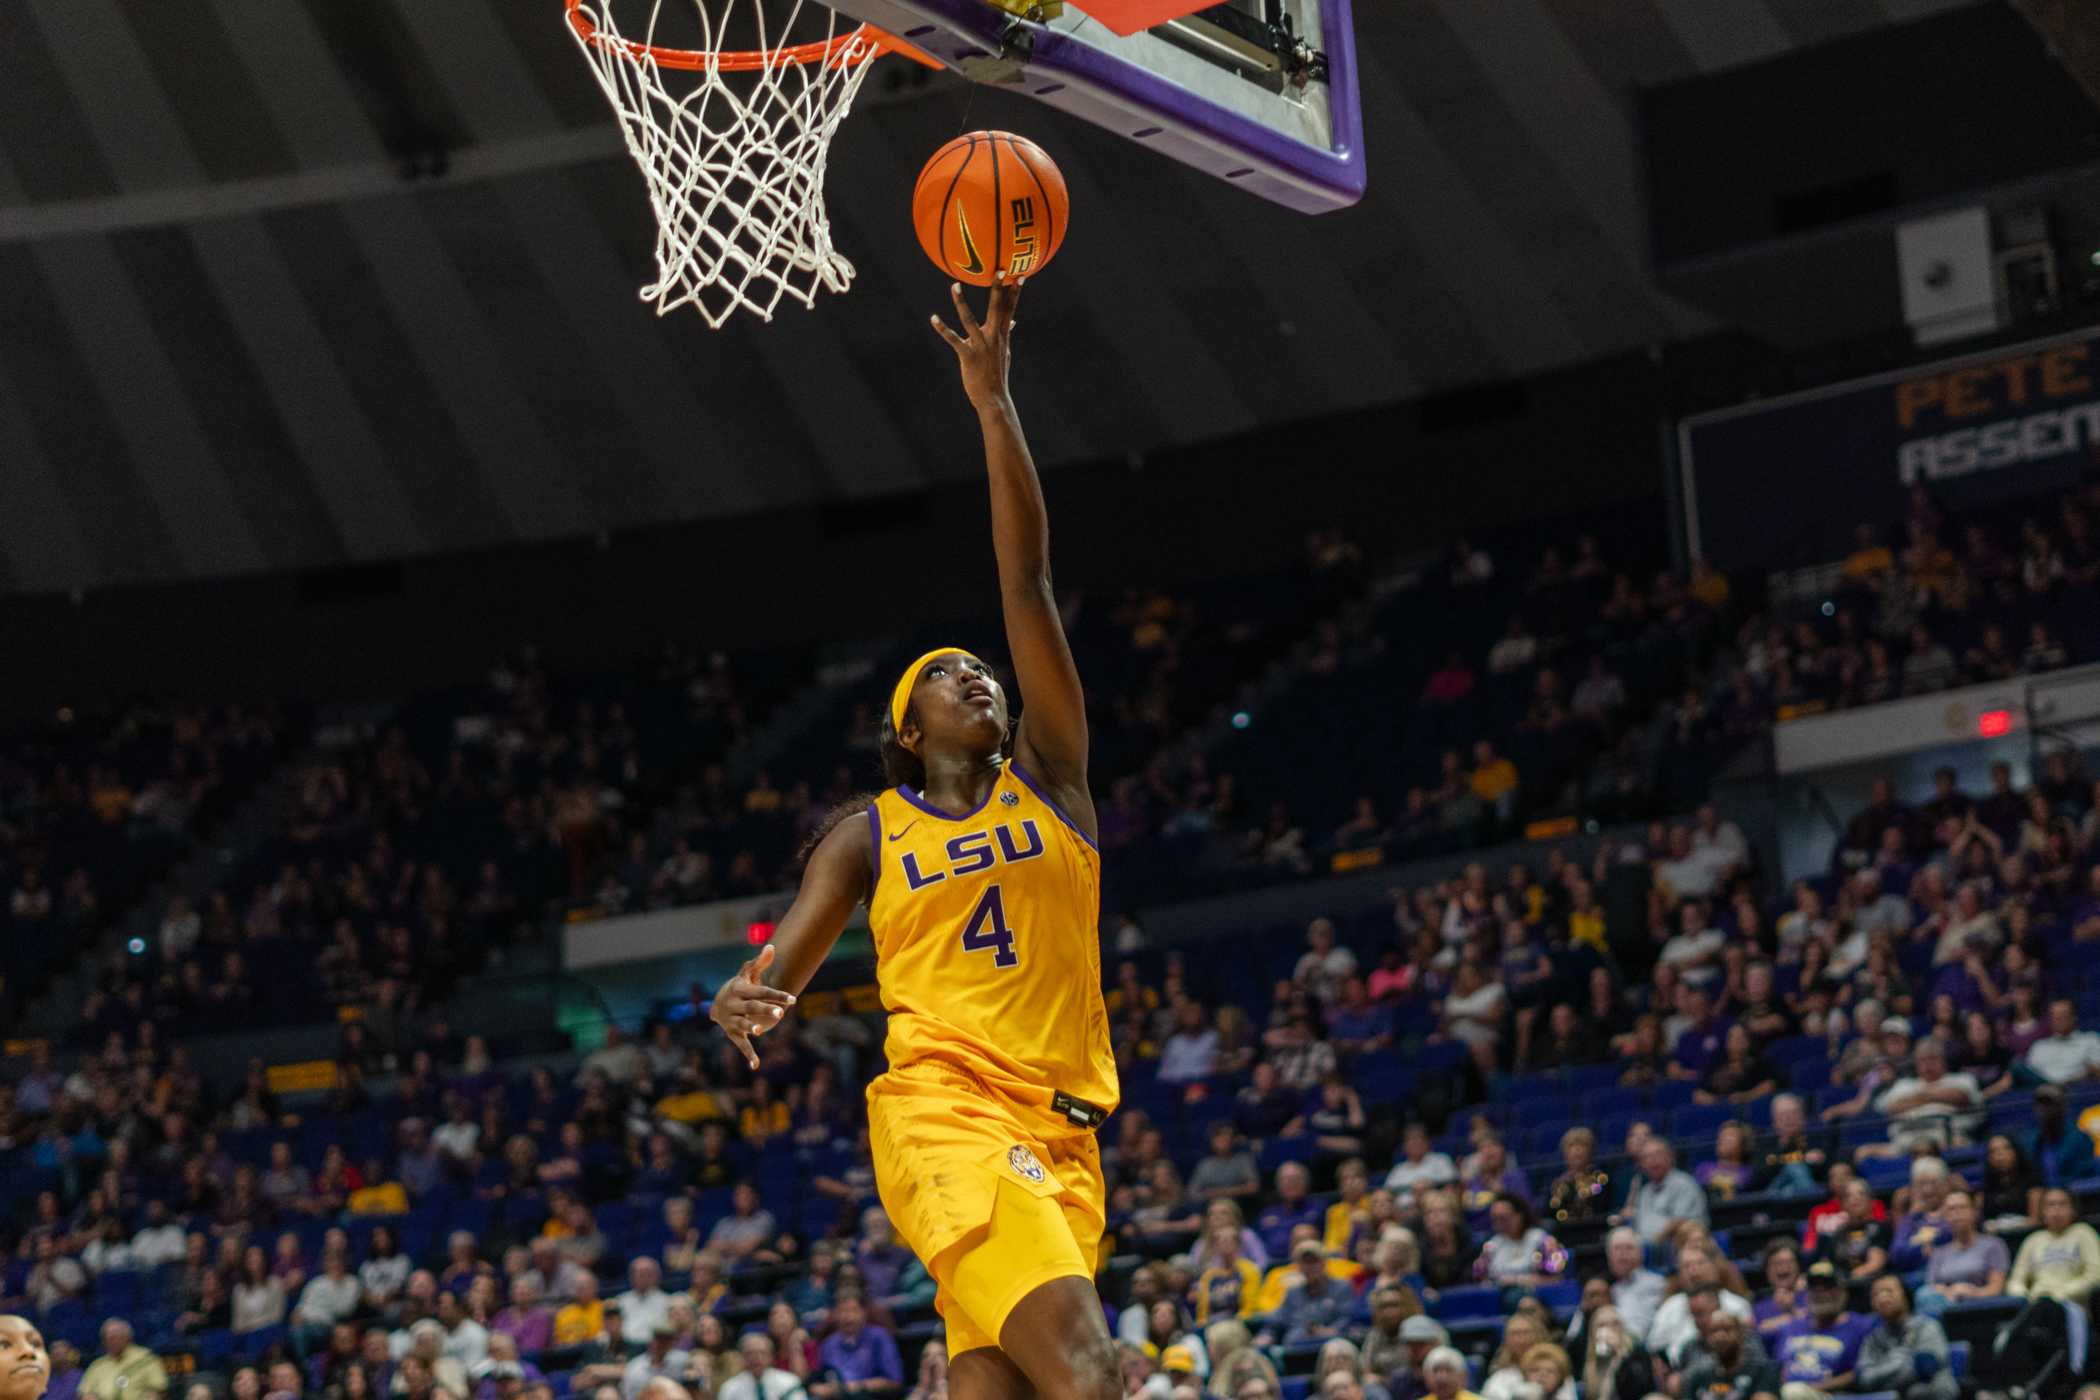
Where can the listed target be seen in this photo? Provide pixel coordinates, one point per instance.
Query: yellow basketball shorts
(996, 1207)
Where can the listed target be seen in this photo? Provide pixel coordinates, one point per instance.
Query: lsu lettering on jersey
(987, 943)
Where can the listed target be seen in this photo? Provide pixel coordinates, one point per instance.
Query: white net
(735, 165)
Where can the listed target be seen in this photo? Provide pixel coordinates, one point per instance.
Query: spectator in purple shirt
(1492, 1174)
(1356, 1024)
(1822, 1350)
(1294, 1207)
(526, 1321)
(1967, 981)
(879, 1255)
(862, 1356)
(1703, 1041)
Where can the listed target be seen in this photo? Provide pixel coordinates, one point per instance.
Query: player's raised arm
(836, 878)
(1053, 737)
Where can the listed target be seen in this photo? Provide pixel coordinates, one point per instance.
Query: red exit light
(1990, 724)
(761, 931)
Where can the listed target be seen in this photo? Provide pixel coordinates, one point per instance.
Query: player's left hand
(984, 350)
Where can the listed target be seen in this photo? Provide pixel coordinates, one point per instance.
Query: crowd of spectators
(1932, 603)
(95, 804)
(1561, 686)
(460, 1226)
(1495, 1126)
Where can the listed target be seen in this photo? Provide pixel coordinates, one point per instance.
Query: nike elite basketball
(986, 201)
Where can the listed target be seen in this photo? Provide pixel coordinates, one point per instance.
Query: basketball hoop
(735, 173)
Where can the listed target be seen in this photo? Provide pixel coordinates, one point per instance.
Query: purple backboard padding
(1126, 98)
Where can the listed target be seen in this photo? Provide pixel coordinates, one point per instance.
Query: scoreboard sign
(1782, 483)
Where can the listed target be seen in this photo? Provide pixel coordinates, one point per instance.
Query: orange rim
(862, 44)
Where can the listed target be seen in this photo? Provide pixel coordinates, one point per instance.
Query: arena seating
(1500, 1010)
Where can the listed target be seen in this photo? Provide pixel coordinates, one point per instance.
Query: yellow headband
(900, 698)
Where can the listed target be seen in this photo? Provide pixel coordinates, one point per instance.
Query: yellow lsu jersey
(987, 942)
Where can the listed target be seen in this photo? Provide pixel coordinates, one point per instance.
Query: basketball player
(982, 878)
(25, 1366)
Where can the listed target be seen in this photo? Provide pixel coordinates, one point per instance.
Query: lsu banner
(1783, 483)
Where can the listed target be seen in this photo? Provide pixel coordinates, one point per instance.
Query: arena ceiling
(232, 339)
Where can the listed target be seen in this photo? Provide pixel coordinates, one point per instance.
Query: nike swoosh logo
(904, 828)
(962, 224)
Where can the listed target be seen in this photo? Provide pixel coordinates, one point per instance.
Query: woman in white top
(1518, 1254)
(258, 1296)
(386, 1269)
(1473, 1014)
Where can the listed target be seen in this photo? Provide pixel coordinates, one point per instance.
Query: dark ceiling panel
(477, 355)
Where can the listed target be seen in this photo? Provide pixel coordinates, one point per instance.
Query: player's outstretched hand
(984, 350)
(746, 1006)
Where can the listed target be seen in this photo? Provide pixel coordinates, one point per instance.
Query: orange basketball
(990, 200)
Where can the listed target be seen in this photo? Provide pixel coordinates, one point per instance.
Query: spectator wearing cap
(1662, 1196)
(1888, 1063)
(1417, 1337)
(1177, 1367)
(2061, 1151)
(1384, 1350)
(1315, 1306)
(1820, 1354)
(1907, 1351)
(1294, 1207)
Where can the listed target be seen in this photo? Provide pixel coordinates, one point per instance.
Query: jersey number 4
(987, 929)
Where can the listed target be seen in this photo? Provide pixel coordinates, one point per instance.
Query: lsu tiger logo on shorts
(1010, 799)
(1024, 1163)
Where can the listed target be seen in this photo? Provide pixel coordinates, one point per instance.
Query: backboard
(1262, 93)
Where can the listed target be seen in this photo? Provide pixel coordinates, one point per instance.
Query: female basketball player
(982, 879)
(25, 1367)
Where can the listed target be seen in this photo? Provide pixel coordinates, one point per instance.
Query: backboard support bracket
(1277, 117)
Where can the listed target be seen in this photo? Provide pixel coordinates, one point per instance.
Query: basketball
(988, 201)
